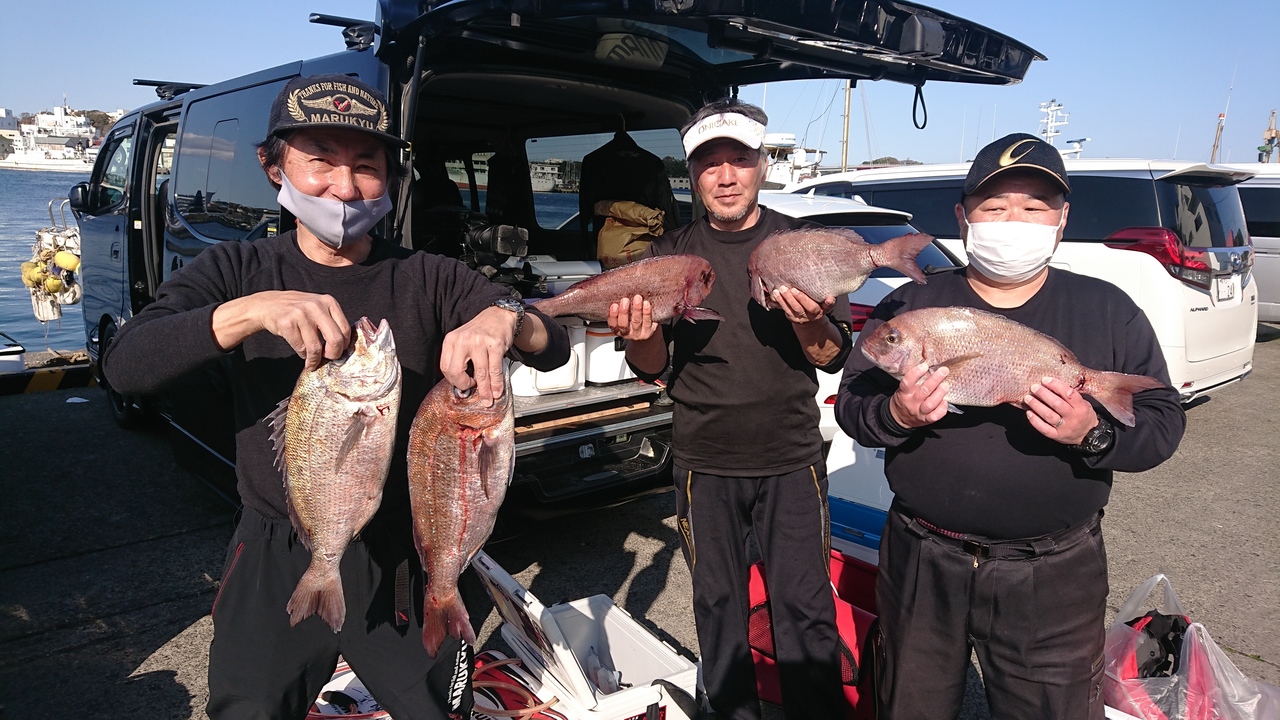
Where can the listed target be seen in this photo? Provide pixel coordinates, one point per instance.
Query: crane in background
(1269, 138)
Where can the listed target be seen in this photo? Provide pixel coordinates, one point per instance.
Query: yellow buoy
(53, 284)
(67, 261)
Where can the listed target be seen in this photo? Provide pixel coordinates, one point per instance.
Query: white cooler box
(527, 382)
(606, 360)
(12, 355)
(560, 644)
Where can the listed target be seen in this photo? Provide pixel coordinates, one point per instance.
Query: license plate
(1226, 289)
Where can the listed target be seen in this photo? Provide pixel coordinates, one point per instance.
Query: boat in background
(788, 162)
(58, 141)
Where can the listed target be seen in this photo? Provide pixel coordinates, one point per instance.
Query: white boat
(788, 162)
(543, 176)
(58, 141)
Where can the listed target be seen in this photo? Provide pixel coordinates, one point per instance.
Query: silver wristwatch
(514, 306)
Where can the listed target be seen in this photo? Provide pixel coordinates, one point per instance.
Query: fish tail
(444, 616)
(551, 307)
(319, 591)
(1116, 390)
(900, 254)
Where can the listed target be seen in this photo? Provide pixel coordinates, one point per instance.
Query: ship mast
(1053, 119)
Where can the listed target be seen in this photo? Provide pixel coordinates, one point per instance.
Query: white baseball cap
(725, 125)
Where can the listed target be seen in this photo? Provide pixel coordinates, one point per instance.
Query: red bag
(853, 582)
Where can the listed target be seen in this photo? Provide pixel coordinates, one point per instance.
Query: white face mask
(1011, 252)
(334, 222)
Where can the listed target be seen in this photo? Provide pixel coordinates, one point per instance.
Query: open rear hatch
(708, 46)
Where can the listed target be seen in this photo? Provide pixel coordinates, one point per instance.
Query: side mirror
(79, 197)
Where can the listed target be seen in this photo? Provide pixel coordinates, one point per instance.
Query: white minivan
(1170, 234)
(1260, 196)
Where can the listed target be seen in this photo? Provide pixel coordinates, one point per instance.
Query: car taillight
(1189, 266)
(831, 400)
(860, 314)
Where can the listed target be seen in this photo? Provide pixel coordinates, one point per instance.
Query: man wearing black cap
(277, 305)
(748, 452)
(993, 542)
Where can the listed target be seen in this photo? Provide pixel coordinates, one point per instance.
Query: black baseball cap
(331, 101)
(1018, 151)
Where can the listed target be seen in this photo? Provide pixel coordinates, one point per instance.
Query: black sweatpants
(259, 667)
(788, 514)
(1032, 610)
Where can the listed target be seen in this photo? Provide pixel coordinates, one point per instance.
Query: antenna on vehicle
(357, 34)
(168, 90)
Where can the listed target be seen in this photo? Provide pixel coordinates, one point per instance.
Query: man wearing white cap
(748, 452)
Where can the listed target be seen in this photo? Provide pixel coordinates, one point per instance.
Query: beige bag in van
(628, 229)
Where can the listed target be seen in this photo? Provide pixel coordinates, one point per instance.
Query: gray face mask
(335, 222)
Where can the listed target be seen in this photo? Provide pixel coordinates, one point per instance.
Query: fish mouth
(379, 337)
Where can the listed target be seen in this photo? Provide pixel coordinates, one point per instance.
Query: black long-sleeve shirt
(988, 471)
(743, 388)
(422, 297)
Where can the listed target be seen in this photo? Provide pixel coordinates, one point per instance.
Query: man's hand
(632, 319)
(921, 397)
(480, 343)
(799, 308)
(312, 324)
(1059, 412)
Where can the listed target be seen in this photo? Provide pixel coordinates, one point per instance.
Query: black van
(482, 88)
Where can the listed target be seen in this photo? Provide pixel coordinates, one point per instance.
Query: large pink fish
(673, 285)
(992, 359)
(827, 262)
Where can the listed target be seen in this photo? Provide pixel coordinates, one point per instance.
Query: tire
(129, 411)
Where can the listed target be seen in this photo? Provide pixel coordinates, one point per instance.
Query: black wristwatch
(514, 306)
(1098, 439)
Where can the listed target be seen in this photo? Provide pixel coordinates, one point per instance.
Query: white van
(1260, 196)
(1170, 234)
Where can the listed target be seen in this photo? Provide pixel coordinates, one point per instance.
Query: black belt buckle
(976, 549)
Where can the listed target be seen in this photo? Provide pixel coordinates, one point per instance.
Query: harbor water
(24, 200)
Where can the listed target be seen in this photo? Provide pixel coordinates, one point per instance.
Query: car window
(1203, 216)
(1261, 210)
(219, 186)
(108, 189)
(932, 207)
(555, 167)
(931, 259)
(1102, 205)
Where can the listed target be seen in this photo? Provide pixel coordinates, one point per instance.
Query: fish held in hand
(827, 262)
(461, 459)
(673, 285)
(992, 359)
(334, 438)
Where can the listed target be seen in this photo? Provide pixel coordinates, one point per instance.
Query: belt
(983, 548)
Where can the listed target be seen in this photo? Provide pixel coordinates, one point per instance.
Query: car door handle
(115, 251)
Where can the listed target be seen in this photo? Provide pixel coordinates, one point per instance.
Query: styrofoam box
(527, 382)
(12, 355)
(555, 642)
(605, 363)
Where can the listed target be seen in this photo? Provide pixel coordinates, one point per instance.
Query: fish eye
(463, 394)
(892, 338)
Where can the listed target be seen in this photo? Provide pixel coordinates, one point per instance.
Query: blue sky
(1142, 78)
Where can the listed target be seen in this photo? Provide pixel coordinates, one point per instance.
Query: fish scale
(461, 459)
(992, 360)
(334, 438)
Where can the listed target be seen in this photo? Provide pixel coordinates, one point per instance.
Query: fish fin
(954, 364)
(296, 520)
(444, 616)
(900, 254)
(277, 420)
(361, 419)
(694, 314)
(491, 464)
(1116, 390)
(319, 591)
(953, 409)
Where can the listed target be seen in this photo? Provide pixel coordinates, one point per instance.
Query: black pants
(259, 667)
(789, 516)
(1031, 610)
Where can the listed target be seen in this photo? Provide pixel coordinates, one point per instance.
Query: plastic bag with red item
(1162, 666)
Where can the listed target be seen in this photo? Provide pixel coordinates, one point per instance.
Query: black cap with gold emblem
(1018, 151)
(331, 101)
